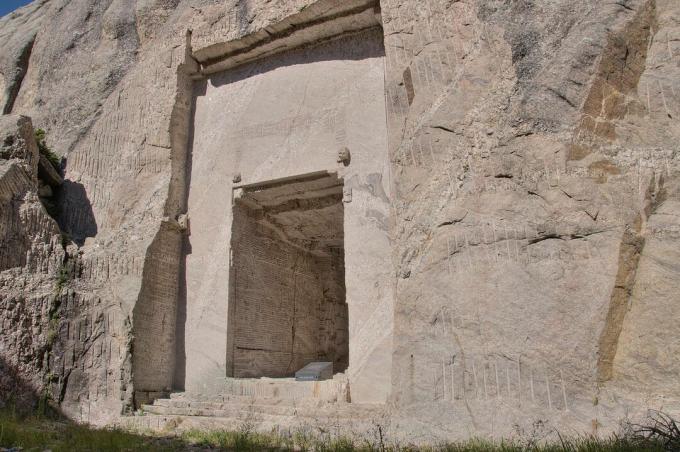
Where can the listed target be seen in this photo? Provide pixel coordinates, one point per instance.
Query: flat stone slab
(315, 372)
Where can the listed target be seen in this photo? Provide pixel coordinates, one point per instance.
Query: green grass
(249, 441)
(572, 445)
(256, 442)
(234, 440)
(40, 433)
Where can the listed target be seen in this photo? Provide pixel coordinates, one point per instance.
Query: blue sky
(7, 6)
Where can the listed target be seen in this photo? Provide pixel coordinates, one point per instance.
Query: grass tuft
(45, 150)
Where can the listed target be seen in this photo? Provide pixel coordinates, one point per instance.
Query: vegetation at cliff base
(40, 433)
(44, 433)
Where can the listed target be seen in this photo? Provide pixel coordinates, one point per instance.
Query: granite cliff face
(527, 213)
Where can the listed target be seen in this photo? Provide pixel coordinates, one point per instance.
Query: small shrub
(52, 332)
(62, 278)
(659, 428)
(45, 150)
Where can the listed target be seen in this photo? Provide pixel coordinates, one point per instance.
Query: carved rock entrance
(287, 295)
(324, 249)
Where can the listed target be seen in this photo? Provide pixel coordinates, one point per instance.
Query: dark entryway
(287, 284)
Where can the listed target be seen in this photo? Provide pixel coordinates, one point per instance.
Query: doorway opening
(287, 304)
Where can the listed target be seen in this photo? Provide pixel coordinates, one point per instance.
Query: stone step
(209, 401)
(223, 411)
(237, 406)
(173, 423)
(286, 425)
(233, 411)
(176, 423)
(277, 388)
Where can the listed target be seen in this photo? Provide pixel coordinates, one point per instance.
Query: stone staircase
(282, 405)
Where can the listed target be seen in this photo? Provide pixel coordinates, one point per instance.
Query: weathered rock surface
(31, 260)
(532, 178)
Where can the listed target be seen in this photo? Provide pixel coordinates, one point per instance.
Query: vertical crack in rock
(630, 252)
(629, 257)
(14, 84)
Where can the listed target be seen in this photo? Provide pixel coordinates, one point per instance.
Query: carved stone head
(344, 156)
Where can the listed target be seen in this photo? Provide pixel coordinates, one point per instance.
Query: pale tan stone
(509, 207)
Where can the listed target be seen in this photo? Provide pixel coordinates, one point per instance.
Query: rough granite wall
(535, 171)
(535, 192)
(33, 268)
